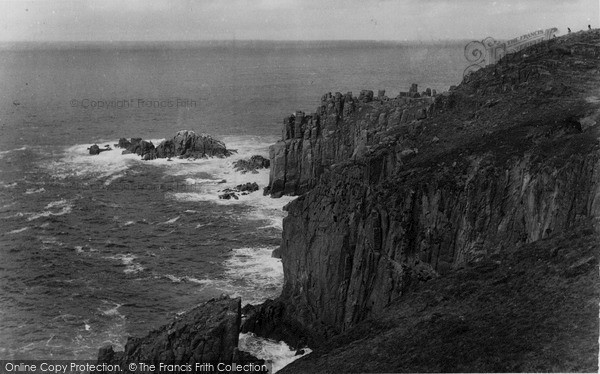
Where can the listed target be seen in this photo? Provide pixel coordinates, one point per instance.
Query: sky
(169, 20)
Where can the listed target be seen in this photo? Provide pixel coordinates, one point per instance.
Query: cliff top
(542, 101)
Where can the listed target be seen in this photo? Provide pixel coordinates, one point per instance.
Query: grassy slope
(534, 308)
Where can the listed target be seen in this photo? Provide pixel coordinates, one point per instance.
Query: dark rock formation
(344, 127)
(208, 334)
(123, 143)
(252, 165)
(96, 150)
(244, 189)
(272, 319)
(185, 144)
(248, 187)
(395, 194)
(189, 144)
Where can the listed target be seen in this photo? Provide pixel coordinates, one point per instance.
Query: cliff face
(342, 128)
(396, 192)
(527, 309)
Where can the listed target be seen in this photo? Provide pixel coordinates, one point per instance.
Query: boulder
(248, 187)
(228, 194)
(252, 165)
(244, 189)
(96, 150)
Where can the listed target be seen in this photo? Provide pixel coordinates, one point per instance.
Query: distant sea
(97, 248)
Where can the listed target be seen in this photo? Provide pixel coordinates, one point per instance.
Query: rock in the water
(166, 149)
(188, 144)
(244, 189)
(123, 143)
(185, 144)
(252, 165)
(249, 187)
(95, 149)
(228, 194)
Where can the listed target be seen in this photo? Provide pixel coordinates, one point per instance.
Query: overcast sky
(148, 20)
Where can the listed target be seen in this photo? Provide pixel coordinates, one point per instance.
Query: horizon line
(239, 40)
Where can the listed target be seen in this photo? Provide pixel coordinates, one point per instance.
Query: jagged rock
(206, 334)
(96, 150)
(248, 187)
(189, 144)
(273, 319)
(276, 253)
(228, 194)
(244, 189)
(166, 149)
(335, 133)
(252, 165)
(123, 143)
(185, 144)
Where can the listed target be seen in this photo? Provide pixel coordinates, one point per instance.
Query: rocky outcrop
(243, 189)
(207, 334)
(185, 144)
(344, 127)
(252, 165)
(400, 192)
(96, 150)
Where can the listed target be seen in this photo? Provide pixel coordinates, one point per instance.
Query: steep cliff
(528, 309)
(343, 127)
(398, 192)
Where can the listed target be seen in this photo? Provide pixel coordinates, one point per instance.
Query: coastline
(502, 189)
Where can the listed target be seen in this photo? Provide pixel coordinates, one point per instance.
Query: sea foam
(278, 353)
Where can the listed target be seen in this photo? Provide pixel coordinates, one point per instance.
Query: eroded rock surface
(185, 144)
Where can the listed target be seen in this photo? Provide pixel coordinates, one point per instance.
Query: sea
(94, 249)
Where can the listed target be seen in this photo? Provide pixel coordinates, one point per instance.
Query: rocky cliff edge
(412, 192)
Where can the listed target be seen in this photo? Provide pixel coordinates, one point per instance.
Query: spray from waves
(278, 353)
(31, 191)
(254, 274)
(172, 220)
(222, 175)
(18, 230)
(55, 208)
(75, 161)
(131, 267)
(250, 273)
(4, 153)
